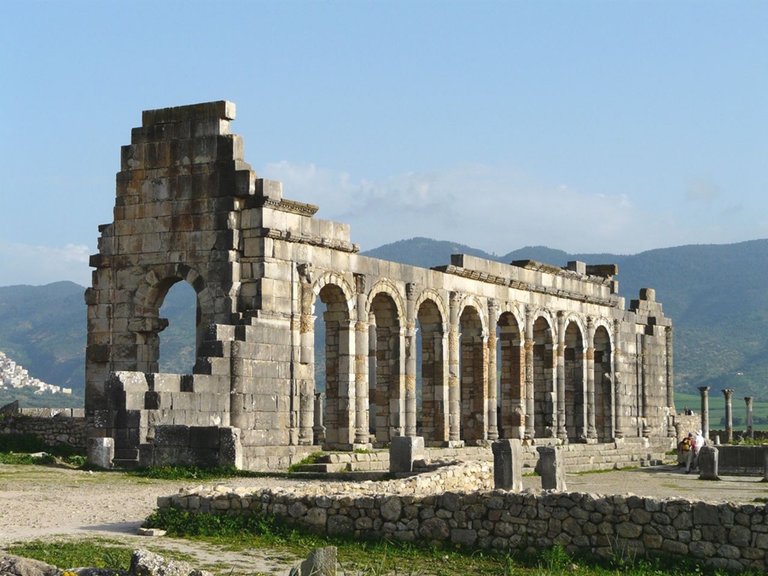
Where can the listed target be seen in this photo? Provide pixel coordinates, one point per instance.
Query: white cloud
(31, 264)
(487, 207)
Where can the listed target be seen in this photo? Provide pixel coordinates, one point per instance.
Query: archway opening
(386, 397)
(510, 367)
(473, 380)
(432, 413)
(603, 386)
(543, 379)
(575, 405)
(178, 342)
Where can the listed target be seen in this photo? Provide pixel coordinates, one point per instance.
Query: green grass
(194, 473)
(19, 449)
(71, 554)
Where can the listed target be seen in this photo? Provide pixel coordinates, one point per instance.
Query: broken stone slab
(552, 468)
(404, 451)
(708, 462)
(507, 465)
(101, 452)
(320, 562)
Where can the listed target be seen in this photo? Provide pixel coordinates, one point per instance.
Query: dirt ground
(55, 503)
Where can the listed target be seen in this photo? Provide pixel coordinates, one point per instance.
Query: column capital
(360, 283)
(704, 389)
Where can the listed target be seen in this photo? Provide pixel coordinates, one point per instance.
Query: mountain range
(716, 295)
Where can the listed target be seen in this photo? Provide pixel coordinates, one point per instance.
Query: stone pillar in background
(410, 360)
(507, 465)
(618, 389)
(728, 394)
(704, 411)
(454, 398)
(552, 468)
(362, 424)
(493, 424)
(561, 432)
(530, 430)
(708, 463)
(318, 429)
(750, 429)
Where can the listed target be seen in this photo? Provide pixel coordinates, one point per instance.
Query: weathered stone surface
(507, 465)
(17, 566)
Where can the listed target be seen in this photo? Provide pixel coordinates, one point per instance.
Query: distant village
(13, 375)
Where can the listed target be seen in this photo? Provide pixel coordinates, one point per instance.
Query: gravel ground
(45, 503)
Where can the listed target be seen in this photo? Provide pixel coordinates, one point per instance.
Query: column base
(362, 446)
(455, 444)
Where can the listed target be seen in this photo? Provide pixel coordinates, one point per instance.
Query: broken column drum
(504, 350)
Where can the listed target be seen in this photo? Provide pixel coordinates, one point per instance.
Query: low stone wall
(55, 427)
(742, 460)
(429, 508)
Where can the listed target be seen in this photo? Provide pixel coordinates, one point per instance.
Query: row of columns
(358, 386)
(728, 395)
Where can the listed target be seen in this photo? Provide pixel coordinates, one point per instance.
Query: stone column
(318, 429)
(454, 392)
(507, 465)
(530, 430)
(590, 362)
(362, 425)
(728, 393)
(493, 425)
(618, 389)
(551, 466)
(750, 429)
(410, 360)
(561, 432)
(306, 356)
(704, 411)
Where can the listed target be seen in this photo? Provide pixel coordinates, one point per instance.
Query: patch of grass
(71, 554)
(24, 449)
(194, 473)
(309, 459)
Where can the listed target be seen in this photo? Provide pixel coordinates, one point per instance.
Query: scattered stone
(320, 562)
(146, 563)
(18, 566)
(150, 532)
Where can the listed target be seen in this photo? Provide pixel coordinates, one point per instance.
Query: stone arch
(386, 362)
(339, 281)
(386, 286)
(148, 299)
(543, 375)
(575, 397)
(603, 377)
(338, 417)
(511, 367)
(432, 417)
(473, 371)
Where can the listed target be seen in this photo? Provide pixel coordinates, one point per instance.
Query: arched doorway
(386, 395)
(432, 403)
(178, 341)
(473, 383)
(603, 386)
(543, 379)
(575, 405)
(509, 354)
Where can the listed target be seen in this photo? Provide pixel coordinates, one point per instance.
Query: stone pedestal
(101, 451)
(708, 463)
(552, 468)
(403, 451)
(507, 465)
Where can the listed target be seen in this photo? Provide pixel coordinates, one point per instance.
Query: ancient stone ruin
(462, 354)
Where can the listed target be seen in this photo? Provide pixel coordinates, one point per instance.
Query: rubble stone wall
(725, 536)
(55, 427)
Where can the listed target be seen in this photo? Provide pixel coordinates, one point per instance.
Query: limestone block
(101, 451)
(508, 465)
(708, 463)
(551, 467)
(403, 451)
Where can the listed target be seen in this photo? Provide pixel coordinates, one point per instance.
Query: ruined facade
(460, 354)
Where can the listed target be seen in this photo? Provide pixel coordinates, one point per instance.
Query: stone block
(403, 451)
(508, 465)
(551, 466)
(708, 463)
(101, 452)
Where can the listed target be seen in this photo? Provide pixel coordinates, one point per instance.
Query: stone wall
(54, 426)
(725, 536)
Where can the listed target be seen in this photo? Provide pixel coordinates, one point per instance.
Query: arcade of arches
(460, 354)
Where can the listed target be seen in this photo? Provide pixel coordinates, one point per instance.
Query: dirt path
(45, 503)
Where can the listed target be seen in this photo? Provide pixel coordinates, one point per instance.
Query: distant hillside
(716, 295)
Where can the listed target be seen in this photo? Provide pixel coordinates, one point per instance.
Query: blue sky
(589, 126)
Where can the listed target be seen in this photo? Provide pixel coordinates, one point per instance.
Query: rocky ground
(52, 503)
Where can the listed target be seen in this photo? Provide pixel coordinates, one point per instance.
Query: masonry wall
(725, 536)
(55, 427)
